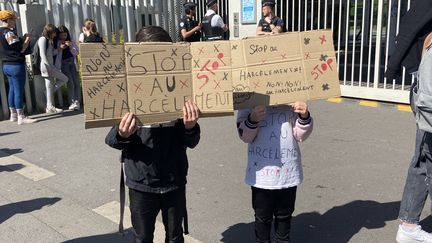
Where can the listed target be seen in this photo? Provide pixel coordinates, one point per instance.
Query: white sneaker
(25, 120)
(53, 110)
(417, 236)
(13, 117)
(72, 106)
(75, 106)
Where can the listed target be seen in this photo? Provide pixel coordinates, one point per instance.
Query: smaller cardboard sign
(320, 65)
(212, 77)
(103, 83)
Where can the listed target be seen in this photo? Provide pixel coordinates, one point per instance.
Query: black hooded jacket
(155, 158)
(414, 27)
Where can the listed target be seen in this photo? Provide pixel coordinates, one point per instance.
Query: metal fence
(117, 21)
(364, 34)
(364, 37)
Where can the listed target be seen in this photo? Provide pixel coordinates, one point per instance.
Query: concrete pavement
(355, 165)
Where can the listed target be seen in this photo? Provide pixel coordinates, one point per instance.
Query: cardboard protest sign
(159, 80)
(211, 76)
(104, 84)
(281, 69)
(320, 64)
(153, 80)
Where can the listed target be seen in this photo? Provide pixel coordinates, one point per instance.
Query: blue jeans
(418, 183)
(69, 69)
(16, 74)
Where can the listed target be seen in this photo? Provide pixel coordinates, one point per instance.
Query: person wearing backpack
(413, 51)
(156, 163)
(54, 78)
(13, 50)
(67, 57)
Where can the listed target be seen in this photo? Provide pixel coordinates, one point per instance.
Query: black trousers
(269, 204)
(145, 207)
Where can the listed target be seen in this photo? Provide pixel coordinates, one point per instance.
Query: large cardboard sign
(158, 79)
(153, 80)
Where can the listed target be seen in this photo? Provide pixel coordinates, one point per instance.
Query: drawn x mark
(184, 84)
(108, 93)
(201, 50)
(217, 84)
(323, 39)
(138, 87)
(197, 63)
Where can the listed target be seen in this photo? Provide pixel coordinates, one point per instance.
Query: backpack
(421, 93)
(36, 58)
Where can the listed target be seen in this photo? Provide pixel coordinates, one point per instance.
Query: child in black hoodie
(156, 163)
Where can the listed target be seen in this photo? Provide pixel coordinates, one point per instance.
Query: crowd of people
(55, 52)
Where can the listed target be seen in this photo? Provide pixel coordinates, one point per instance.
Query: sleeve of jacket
(58, 53)
(247, 130)
(302, 128)
(74, 48)
(114, 140)
(43, 42)
(192, 136)
(411, 24)
(15, 42)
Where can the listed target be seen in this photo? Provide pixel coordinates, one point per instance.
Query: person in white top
(54, 78)
(274, 168)
(213, 26)
(82, 35)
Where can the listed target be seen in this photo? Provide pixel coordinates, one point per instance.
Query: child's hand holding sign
(128, 125)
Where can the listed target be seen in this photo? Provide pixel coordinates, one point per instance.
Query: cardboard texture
(211, 76)
(104, 84)
(280, 69)
(159, 80)
(153, 80)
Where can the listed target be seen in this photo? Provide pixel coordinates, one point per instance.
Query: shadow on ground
(242, 232)
(4, 152)
(11, 167)
(338, 224)
(9, 210)
(46, 117)
(7, 133)
(106, 238)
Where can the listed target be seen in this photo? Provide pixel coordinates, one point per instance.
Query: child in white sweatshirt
(274, 167)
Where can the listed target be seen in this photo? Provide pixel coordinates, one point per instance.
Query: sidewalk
(355, 165)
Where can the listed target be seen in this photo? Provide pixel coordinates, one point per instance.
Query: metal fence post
(378, 43)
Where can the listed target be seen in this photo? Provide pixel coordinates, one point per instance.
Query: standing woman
(12, 50)
(90, 33)
(48, 70)
(67, 56)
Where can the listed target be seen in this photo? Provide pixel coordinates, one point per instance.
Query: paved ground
(60, 182)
